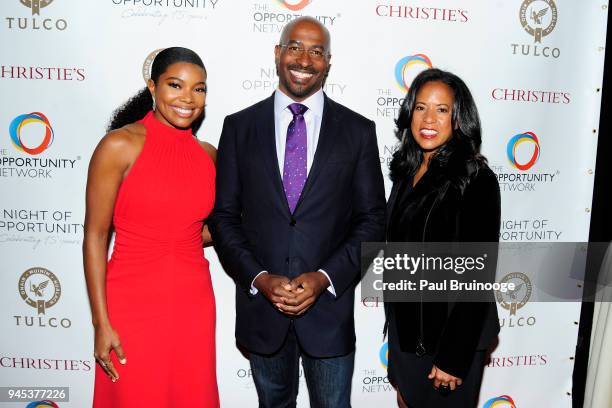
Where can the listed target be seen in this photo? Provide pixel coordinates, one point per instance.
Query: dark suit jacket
(452, 331)
(342, 204)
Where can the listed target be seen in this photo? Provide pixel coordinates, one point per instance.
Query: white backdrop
(533, 66)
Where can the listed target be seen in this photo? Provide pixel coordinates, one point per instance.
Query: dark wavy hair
(140, 104)
(460, 157)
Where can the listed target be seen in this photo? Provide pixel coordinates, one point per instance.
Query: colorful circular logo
(294, 6)
(409, 67)
(42, 404)
(20, 121)
(501, 401)
(515, 141)
(384, 355)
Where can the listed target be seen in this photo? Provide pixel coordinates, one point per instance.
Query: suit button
(292, 223)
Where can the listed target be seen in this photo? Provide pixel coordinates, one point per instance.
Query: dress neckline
(158, 127)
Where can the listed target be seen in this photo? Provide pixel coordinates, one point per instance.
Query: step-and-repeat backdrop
(534, 66)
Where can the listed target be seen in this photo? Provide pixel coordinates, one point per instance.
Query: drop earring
(154, 104)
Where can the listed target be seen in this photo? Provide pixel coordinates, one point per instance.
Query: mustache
(299, 68)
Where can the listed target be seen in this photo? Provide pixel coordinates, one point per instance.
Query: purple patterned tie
(294, 172)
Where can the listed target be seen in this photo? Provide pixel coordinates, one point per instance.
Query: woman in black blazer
(443, 191)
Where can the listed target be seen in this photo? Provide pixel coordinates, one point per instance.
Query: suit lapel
(267, 140)
(327, 133)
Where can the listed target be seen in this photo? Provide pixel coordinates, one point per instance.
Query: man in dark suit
(299, 188)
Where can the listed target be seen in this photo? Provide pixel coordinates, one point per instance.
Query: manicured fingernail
(123, 361)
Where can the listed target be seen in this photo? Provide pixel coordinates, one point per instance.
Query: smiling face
(180, 94)
(301, 75)
(431, 124)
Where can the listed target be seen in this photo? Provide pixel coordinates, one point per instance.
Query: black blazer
(452, 331)
(342, 204)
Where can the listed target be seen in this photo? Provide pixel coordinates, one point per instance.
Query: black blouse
(451, 332)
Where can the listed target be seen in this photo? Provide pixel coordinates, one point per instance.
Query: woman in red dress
(153, 307)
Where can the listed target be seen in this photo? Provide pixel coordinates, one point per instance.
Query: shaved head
(285, 35)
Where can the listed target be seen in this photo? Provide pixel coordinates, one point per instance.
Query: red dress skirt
(159, 293)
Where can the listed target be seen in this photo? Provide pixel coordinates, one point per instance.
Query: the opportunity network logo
(42, 404)
(17, 125)
(294, 5)
(522, 153)
(513, 144)
(384, 355)
(409, 67)
(31, 135)
(504, 401)
(388, 101)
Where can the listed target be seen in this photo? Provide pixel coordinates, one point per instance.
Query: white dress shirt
(282, 118)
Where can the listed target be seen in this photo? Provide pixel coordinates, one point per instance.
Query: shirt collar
(314, 102)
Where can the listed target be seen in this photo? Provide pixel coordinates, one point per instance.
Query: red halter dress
(159, 292)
